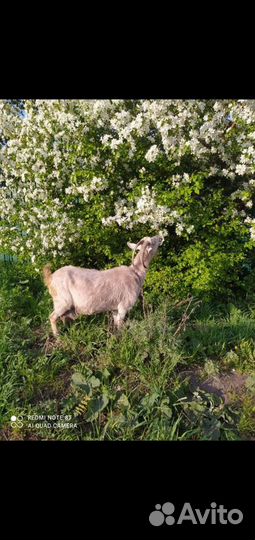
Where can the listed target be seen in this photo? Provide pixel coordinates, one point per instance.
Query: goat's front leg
(119, 317)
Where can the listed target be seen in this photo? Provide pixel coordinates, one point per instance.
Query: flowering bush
(80, 178)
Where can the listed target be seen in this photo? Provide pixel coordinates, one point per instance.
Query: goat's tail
(47, 275)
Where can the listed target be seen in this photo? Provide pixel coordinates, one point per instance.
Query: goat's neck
(138, 266)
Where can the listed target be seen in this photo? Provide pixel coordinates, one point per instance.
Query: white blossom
(152, 153)
(65, 153)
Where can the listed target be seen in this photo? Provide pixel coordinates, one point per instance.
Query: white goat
(77, 291)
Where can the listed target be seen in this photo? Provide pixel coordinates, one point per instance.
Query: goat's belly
(92, 299)
(85, 309)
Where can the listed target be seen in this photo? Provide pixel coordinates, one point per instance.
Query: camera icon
(16, 421)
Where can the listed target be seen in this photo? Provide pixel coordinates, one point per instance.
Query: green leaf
(27, 321)
(123, 401)
(166, 411)
(195, 406)
(96, 405)
(79, 380)
(250, 382)
(212, 429)
(106, 373)
(94, 381)
(149, 400)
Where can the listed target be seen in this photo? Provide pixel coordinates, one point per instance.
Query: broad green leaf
(94, 381)
(96, 405)
(166, 411)
(123, 401)
(79, 380)
(149, 400)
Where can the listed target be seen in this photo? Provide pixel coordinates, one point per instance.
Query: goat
(76, 291)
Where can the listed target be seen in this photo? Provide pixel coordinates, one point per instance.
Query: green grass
(126, 385)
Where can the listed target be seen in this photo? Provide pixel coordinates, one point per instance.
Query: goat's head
(147, 248)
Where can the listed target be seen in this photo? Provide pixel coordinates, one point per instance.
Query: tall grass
(126, 385)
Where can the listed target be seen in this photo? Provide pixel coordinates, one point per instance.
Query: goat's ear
(135, 247)
(131, 246)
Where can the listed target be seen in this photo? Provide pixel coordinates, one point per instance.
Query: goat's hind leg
(58, 312)
(68, 316)
(53, 322)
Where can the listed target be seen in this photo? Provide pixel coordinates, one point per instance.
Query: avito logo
(214, 515)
